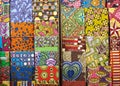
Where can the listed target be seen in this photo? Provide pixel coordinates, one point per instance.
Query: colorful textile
(113, 3)
(4, 18)
(25, 73)
(22, 29)
(4, 59)
(22, 44)
(5, 73)
(93, 3)
(21, 10)
(99, 76)
(46, 58)
(47, 75)
(4, 43)
(22, 58)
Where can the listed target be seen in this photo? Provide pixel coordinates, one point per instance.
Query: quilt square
(45, 58)
(47, 43)
(72, 21)
(4, 73)
(22, 58)
(93, 3)
(72, 4)
(25, 73)
(22, 29)
(4, 59)
(99, 76)
(46, 11)
(22, 44)
(46, 29)
(21, 10)
(47, 75)
(113, 3)
(4, 43)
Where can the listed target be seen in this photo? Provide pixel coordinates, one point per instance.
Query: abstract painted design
(22, 44)
(93, 3)
(71, 3)
(99, 76)
(4, 59)
(47, 43)
(22, 58)
(5, 83)
(22, 29)
(113, 3)
(21, 10)
(47, 75)
(5, 73)
(46, 58)
(72, 21)
(4, 43)
(25, 73)
(45, 11)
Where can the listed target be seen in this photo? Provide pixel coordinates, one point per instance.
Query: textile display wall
(59, 42)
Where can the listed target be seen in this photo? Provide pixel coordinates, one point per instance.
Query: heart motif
(71, 70)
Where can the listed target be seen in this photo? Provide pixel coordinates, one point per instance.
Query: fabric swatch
(22, 44)
(47, 75)
(113, 3)
(47, 43)
(71, 3)
(93, 3)
(115, 64)
(46, 29)
(21, 10)
(96, 22)
(4, 59)
(4, 29)
(4, 18)
(73, 43)
(22, 58)
(72, 21)
(45, 11)
(5, 73)
(5, 83)
(25, 73)
(97, 51)
(46, 58)
(4, 43)
(22, 29)
(99, 76)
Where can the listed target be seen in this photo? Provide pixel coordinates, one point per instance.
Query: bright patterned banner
(73, 43)
(115, 44)
(46, 26)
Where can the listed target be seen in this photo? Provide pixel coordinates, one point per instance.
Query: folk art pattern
(29, 42)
